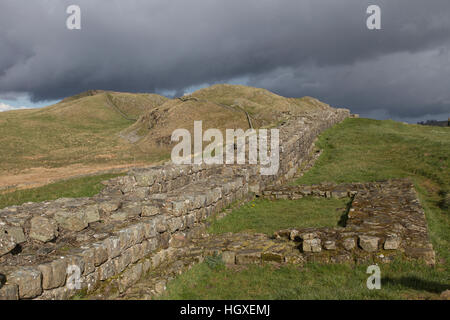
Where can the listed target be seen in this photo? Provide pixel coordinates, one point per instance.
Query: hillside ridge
(105, 129)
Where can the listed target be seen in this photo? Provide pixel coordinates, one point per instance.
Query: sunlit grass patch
(266, 216)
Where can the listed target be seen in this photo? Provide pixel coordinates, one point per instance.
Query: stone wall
(137, 223)
(384, 219)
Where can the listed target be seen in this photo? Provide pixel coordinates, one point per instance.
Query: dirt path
(36, 177)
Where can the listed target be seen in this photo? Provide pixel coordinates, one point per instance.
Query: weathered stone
(122, 261)
(119, 216)
(138, 232)
(190, 220)
(90, 281)
(272, 257)
(43, 229)
(369, 243)
(178, 240)
(112, 246)
(132, 209)
(149, 228)
(150, 245)
(148, 211)
(161, 225)
(92, 214)
(294, 234)
(329, 245)
(106, 270)
(179, 208)
(142, 192)
(9, 292)
(349, 244)
(89, 259)
(312, 245)
(53, 274)
(126, 238)
(157, 259)
(138, 251)
(61, 293)
(229, 257)
(248, 256)
(16, 233)
(285, 233)
(175, 224)
(28, 280)
(146, 179)
(294, 258)
(163, 239)
(130, 277)
(339, 194)
(73, 221)
(392, 243)
(128, 184)
(107, 207)
(146, 266)
(100, 253)
(16, 219)
(7, 244)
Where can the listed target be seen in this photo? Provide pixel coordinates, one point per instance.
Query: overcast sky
(320, 48)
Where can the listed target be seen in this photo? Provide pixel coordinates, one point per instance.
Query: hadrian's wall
(134, 224)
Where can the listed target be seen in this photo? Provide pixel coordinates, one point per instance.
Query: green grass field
(400, 280)
(265, 216)
(356, 150)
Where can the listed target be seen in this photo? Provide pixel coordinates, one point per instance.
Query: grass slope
(82, 129)
(104, 128)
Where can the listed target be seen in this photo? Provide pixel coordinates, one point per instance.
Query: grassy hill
(81, 129)
(219, 106)
(97, 130)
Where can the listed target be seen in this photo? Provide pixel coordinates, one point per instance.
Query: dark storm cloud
(320, 48)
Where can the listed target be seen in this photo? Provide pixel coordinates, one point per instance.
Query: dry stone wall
(139, 222)
(385, 219)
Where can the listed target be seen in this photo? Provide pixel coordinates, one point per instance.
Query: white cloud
(7, 107)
